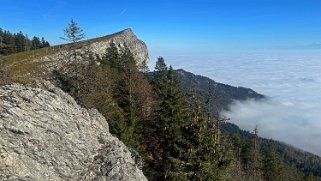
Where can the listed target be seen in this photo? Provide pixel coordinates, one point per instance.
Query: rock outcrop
(45, 135)
(98, 47)
(125, 37)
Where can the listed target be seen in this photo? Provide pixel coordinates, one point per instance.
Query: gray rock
(45, 135)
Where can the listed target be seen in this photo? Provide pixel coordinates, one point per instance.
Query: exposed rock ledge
(45, 135)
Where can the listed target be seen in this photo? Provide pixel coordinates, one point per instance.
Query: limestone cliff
(45, 135)
(96, 46)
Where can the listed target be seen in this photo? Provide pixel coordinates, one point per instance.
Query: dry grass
(26, 71)
(28, 55)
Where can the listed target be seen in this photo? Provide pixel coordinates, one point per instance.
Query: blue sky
(175, 27)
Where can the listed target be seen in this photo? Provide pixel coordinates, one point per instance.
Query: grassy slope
(22, 68)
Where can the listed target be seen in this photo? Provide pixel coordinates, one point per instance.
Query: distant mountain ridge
(221, 95)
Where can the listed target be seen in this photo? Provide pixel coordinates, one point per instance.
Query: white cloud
(289, 122)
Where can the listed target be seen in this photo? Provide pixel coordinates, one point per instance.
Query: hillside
(221, 95)
(302, 160)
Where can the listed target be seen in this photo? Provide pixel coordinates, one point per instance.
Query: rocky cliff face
(137, 47)
(45, 135)
(97, 46)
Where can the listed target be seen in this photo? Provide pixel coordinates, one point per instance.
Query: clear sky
(175, 26)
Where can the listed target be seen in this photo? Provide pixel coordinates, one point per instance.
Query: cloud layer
(293, 123)
(292, 81)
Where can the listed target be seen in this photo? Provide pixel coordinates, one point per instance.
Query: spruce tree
(124, 94)
(73, 33)
(171, 118)
(193, 133)
(112, 57)
(204, 159)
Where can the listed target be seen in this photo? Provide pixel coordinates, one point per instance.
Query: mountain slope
(220, 95)
(304, 161)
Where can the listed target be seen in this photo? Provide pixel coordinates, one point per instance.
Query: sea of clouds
(291, 79)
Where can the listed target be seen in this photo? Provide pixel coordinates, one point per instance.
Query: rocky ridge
(98, 47)
(45, 135)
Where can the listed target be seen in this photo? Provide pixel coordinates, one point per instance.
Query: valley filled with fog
(291, 79)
